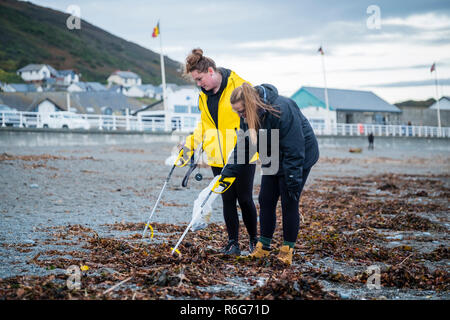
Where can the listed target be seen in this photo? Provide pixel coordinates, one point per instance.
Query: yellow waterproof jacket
(219, 138)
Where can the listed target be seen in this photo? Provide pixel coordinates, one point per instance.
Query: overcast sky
(277, 41)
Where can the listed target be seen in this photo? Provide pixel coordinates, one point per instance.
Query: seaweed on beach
(342, 220)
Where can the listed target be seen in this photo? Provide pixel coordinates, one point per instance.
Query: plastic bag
(170, 160)
(201, 217)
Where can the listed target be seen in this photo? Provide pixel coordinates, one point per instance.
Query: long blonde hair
(251, 102)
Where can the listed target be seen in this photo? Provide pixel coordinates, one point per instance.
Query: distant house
(102, 102)
(67, 77)
(345, 106)
(144, 90)
(135, 91)
(444, 104)
(126, 79)
(116, 88)
(48, 106)
(21, 87)
(182, 106)
(424, 114)
(86, 86)
(37, 72)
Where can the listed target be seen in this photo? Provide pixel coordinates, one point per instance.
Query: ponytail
(251, 101)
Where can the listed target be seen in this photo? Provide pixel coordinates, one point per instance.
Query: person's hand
(294, 194)
(184, 156)
(181, 145)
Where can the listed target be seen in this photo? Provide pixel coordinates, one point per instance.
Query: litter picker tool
(218, 187)
(215, 187)
(183, 162)
(194, 163)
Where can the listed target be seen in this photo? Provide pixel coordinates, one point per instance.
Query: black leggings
(241, 190)
(271, 188)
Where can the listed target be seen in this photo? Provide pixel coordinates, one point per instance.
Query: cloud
(277, 41)
(427, 21)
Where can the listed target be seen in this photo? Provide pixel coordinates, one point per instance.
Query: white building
(37, 72)
(48, 106)
(126, 79)
(144, 90)
(67, 77)
(182, 108)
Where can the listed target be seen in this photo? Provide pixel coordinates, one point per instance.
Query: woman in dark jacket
(264, 112)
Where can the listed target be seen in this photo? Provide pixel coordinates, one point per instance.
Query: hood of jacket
(267, 92)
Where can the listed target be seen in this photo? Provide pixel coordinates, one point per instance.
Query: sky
(386, 47)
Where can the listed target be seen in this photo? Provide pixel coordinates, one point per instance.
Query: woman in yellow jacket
(217, 133)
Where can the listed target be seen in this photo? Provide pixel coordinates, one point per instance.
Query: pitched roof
(37, 67)
(31, 67)
(444, 104)
(352, 100)
(23, 87)
(126, 74)
(90, 86)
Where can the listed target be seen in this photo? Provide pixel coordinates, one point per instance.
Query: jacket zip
(218, 134)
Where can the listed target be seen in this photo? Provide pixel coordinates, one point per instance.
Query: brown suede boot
(285, 254)
(259, 252)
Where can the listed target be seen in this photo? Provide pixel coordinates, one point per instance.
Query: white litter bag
(170, 160)
(201, 216)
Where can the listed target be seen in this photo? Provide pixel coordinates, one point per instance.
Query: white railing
(361, 129)
(186, 123)
(182, 123)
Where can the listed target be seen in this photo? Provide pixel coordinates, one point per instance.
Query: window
(348, 118)
(181, 109)
(195, 109)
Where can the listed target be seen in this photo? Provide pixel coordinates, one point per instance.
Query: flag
(320, 50)
(156, 31)
(433, 67)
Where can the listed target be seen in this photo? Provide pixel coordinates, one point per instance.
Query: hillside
(34, 34)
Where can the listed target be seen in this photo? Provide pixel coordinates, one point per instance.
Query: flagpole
(163, 77)
(437, 100)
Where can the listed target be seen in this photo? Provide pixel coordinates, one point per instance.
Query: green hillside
(34, 34)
